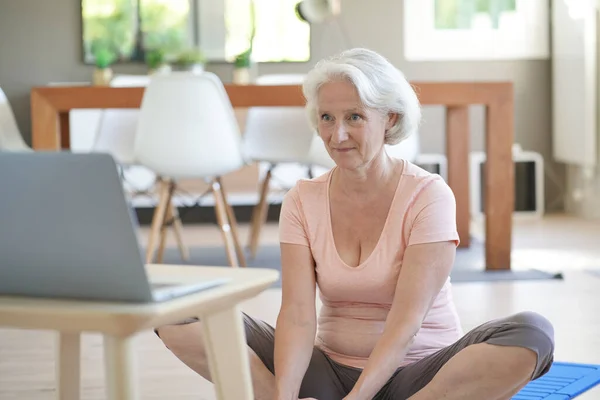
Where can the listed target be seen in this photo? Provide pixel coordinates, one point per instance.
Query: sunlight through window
(280, 35)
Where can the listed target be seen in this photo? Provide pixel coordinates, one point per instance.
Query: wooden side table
(119, 322)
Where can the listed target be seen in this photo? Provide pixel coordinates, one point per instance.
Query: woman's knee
(536, 320)
(536, 326)
(182, 338)
(535, 332)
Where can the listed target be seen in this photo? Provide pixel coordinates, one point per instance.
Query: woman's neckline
(385, 225)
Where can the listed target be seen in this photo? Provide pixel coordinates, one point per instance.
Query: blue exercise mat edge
(573, 389)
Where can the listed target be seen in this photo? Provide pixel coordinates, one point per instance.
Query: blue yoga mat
(564, 381)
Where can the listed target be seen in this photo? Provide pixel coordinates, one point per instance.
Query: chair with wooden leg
(116, 136)
(169, 216)
(279, 137)
(187, 130)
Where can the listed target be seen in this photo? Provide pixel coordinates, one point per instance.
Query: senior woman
(377, 236)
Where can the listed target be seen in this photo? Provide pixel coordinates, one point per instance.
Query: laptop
(68, 232)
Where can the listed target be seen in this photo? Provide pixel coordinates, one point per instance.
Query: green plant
(131, 27)
(244, 59)
(155, 58)
(104, 57)
(190, 57)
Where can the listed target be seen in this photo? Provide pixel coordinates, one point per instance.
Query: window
(220, 28)
(466, 14)
(280, 34)
(166, 24)
(128, 28)
(476, 29)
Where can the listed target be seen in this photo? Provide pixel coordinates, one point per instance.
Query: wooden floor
(561, 243)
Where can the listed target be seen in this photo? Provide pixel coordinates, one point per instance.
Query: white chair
(83, 122)
(10, 136)
(116, 136)
(117, 128)
(187, 130)
(275, 136)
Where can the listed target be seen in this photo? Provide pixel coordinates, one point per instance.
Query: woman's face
(353, 135)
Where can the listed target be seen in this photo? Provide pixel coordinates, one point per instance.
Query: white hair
(379, 84)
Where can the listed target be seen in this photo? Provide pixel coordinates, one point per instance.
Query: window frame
(201, 17)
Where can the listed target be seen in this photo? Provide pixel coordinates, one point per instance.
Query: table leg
(68, 360)
(457, 150)
(65, 130)
(119, 363)
(499, 185)
(228, 355)
(45, 123)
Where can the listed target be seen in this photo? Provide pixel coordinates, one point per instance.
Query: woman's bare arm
(425, 269)
(297, 321)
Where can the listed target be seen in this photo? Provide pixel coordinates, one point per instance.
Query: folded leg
(492, 361)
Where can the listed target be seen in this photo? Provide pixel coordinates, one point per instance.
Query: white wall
(575, 87)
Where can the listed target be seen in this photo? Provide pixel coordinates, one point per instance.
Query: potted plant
(241, 67)
(156, 61)
(243, 61)
(190, 60)
(103, 59)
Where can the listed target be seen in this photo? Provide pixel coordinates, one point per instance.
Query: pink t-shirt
(356, 300)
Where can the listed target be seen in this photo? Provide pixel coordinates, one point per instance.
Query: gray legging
(326, 379)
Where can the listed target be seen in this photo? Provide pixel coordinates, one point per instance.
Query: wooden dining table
(50, 107)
